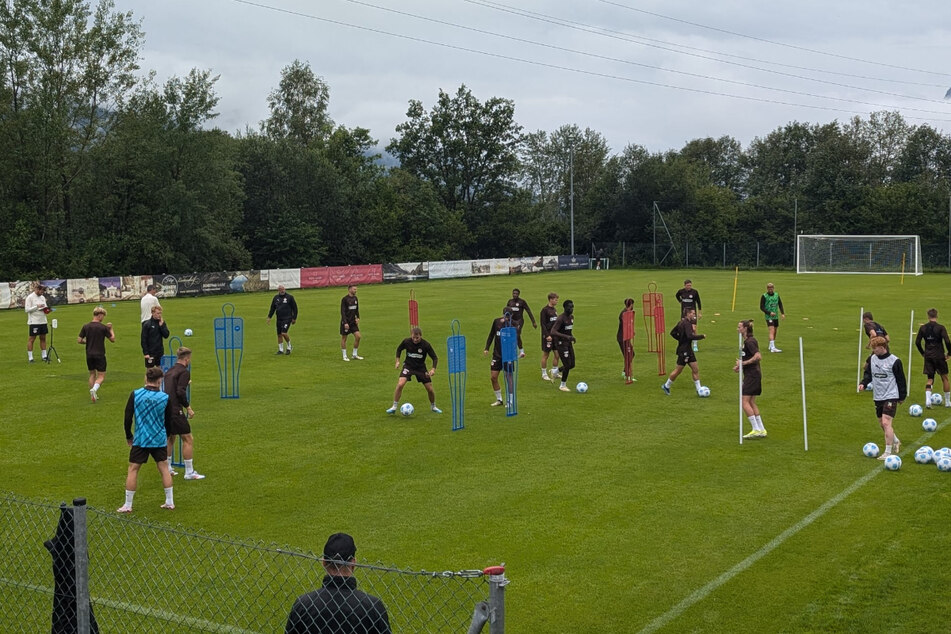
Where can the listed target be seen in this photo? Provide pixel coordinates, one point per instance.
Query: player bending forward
(417, 349)
(886, 377)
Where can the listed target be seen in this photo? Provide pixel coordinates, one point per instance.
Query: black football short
(38, 329)
(140, 455)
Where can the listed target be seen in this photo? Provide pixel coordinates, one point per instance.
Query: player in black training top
(519, 308)
(350, 323)
(935, 338)
(417, 349)
(547, 318)
(684, 333)
(286, 308)
(494, 341)
(562, 332)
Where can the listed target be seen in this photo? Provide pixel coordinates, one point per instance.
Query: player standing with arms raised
(771, 306)
(886, 377)
(547, 318)
(350, 323)
(935, 338)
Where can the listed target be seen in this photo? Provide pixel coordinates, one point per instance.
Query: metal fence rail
(149, 577)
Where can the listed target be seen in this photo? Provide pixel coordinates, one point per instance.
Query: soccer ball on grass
(893, 463)
(407, 409)
(929, 424)
(915, 410)
(870, 449)
(582, 387)
(703, 391)
(188, 332)
(924, 455)
(943, 463)
(936, 399)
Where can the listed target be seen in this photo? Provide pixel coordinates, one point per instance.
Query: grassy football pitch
(619, 510)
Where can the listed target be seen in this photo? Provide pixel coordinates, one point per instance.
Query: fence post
(497, 583)
(81, 553)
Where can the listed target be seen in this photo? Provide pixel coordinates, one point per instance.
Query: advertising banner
(572, 262)
(289, 278)
(444, 270)
(405, 271)
(83, 291)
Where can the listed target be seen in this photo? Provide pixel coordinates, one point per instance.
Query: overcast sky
(656, 74)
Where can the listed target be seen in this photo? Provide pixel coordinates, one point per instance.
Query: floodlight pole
(571, 173)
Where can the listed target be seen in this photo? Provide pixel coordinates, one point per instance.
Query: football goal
(858, 254)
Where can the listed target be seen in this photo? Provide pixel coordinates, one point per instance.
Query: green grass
(608, 508)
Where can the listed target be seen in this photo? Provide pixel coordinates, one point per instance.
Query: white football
(944, 463)
(407, 409)
(188, 332)
(936, 399)
(929, 424)
(893, 463)
(703, 391)
(924, 455)
(870, 449)
(915, 410)
(582, 387)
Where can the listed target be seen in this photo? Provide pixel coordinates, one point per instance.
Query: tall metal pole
(795, 233)
(571, 171)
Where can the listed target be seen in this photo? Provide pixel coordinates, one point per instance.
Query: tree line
(106, 171)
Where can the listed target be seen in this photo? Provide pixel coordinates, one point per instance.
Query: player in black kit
(935, 338)
(519, 307)
(562, 332)
(286, 308)
(350, 323)
(684, 333)
(547, 318)
(417, 349)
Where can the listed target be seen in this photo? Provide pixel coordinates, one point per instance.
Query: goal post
(875, 255)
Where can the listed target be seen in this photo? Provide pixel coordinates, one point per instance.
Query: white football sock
(759, 421)
(343, 352)
(498, 394)
(753, 423)
(280, 347)
(697, 384)
(355, 352)
(168, 497)
(128, 498)
(188, 466)
(29, 355)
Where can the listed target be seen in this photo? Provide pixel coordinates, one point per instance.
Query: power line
(663, 45)
(667, 70)
(554, 66)
(773, 42)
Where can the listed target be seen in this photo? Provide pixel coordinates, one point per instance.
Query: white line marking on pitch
(702, 593)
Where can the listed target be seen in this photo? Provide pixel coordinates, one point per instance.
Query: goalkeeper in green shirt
(772, 306)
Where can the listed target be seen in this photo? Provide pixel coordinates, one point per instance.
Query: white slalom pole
(802, 374)
(859, 368)
(739, 340)
(911, 337)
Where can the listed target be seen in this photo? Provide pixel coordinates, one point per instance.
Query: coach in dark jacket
(153, 332)
(338, 607)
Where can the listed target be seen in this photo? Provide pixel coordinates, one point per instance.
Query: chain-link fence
(936, 256)
(114, 573)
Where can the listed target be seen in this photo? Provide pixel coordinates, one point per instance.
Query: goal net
(858, 254)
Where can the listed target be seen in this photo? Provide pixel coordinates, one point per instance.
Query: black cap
(340, 547)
